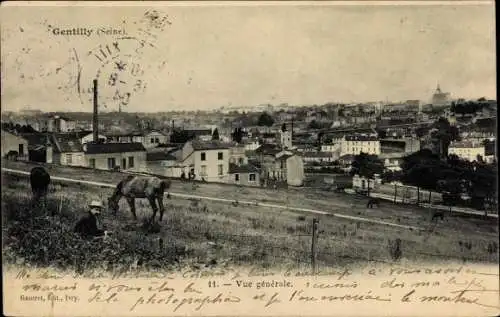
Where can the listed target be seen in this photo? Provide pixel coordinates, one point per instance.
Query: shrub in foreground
(37, 235)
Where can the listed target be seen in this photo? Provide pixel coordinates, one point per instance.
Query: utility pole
(95, 120)
(314, 244)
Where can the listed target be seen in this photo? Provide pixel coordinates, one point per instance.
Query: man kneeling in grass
(89, 226)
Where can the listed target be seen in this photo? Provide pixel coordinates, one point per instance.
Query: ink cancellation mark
(119, 72)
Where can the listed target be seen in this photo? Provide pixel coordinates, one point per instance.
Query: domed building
(440, 98)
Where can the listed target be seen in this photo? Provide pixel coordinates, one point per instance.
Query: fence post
(314, 244)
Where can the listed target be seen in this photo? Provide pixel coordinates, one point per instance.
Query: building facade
(109, 156)
(467, 150)
(210, 160)
(245, 175)
(356, 144)
(12, 143)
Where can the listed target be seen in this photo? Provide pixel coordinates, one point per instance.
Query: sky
(193, 56)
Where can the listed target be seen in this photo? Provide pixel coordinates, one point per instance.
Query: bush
(35, 237)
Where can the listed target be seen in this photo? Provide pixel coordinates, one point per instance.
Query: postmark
(122, 64)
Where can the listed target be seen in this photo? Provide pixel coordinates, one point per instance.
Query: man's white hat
(96, 204)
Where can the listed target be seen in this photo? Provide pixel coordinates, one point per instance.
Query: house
(305, 146)
(124, 137)
(356, 144)
(153, 139)
(14, 146)
(361, 183)
(403, 145)
(58, 123)
(251, 145)
(88, 136)
(318, 157)
(39, 147)
(208, 161)
(108, 156)
(164, 163)
(67, 149)
(268, 137)
(237, 155)
(332, 148)
(284, 139)
(392, 161)
(204, 135)
(280, 165)
(247, 175)
(346, 161)
(467, 150)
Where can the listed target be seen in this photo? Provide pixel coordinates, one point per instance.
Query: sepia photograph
(249, 158)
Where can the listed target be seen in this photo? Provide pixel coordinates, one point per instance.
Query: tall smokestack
(95, 121)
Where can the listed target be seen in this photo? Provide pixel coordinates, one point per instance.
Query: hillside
(204, 232)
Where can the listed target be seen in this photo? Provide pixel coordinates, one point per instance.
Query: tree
(237, 135)
(314, 125)
(421, 169)
(421, 132)
(382, 133)
(215, 135)
(367, 165)
(181, 136)
(442, 135)
(265, 119)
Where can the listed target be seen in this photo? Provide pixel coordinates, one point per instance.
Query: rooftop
(160, 156)
(35, 139)
(67, 142)
(101, 148)
(361, 138)
(212, 145)
(269, 149)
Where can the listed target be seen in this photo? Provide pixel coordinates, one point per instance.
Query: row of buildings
(199, 159)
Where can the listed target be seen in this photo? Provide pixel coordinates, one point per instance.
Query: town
(444, 145)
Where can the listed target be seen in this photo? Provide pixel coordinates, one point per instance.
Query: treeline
(461, 182)
(470, 107)
(9, 126)
(454, 177)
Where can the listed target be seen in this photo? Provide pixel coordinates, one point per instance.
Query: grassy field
(200, 233)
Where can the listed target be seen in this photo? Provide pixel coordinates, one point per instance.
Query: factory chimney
(95, 121)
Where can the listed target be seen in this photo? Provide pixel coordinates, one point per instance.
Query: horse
(40, 181)
(437, 214)
(373, 201)
(133, 187)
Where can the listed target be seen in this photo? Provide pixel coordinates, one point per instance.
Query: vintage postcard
(249, 159)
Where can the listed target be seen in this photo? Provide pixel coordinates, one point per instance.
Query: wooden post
(314, 244)
(395, 192)
(418, 196)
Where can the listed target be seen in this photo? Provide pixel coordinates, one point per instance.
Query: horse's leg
(160, 205)
(131, 203)
(153, 206)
